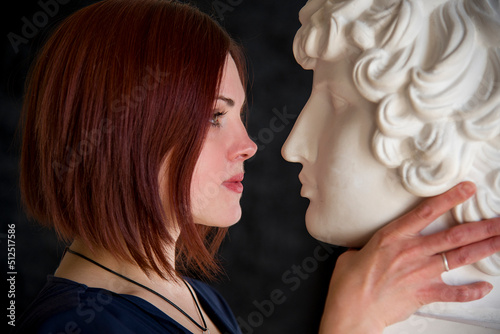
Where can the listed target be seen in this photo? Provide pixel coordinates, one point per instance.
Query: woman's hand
(399, 270)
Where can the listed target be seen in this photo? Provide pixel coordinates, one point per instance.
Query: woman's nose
(245, 147)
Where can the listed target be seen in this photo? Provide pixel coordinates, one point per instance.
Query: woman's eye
(216, 118)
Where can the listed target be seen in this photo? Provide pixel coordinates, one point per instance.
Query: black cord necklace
(204, 328)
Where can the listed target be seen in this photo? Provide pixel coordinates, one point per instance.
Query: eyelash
(215, 118)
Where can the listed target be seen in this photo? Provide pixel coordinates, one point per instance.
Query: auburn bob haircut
(118, 87)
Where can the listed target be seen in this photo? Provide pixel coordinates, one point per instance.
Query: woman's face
(216, 186)
(351, 194)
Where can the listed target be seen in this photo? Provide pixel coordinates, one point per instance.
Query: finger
(456, 293)
(472, 253)
(461, 235)
(430, 209)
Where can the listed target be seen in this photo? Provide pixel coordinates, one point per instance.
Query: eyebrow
(229, 101)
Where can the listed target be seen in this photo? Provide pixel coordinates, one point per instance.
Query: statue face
(351, 194)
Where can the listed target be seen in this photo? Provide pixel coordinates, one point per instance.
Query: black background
(269, 252)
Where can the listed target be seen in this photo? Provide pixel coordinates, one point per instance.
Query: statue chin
(332, 233)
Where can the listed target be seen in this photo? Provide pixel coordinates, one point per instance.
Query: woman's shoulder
(56, 298)
(65, 306)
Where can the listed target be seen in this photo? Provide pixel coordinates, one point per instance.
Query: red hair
(119, 86)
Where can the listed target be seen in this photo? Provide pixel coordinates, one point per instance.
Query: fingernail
(468, 188)
(488, 288)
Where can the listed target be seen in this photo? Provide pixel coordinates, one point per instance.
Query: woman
(133, 119)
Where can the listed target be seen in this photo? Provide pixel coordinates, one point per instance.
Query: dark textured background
(269, 253)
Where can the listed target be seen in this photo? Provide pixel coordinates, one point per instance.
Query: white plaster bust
(405, 104)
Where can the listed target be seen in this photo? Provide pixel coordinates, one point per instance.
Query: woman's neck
(83, 271)
(175, 290)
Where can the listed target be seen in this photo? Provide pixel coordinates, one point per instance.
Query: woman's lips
(234, 183)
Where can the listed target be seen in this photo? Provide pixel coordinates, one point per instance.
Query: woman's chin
(230, 218)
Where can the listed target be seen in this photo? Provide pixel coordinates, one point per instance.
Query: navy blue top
(65, 306)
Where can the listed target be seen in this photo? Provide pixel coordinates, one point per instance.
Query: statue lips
(308, 187)
(234, 183)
